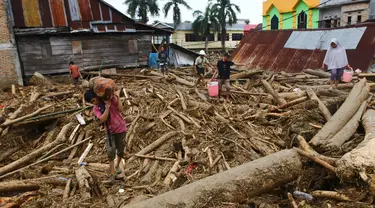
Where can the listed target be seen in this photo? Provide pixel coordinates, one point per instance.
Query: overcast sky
(250, 9)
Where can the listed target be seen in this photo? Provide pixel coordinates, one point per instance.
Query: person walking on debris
(200, 67)
(163, 59)
(223, 70)
(336, 61)
(74, 72)
(109, 113)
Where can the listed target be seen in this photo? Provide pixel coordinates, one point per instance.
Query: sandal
(117, 170)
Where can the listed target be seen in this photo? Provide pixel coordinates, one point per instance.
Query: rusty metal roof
(293, 50)
(76, 15)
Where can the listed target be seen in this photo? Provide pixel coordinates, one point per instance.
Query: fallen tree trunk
(327, 115)
(319, 73)
(362, 158)
(291, 103)
(276, 97)
(37, 153)
(358, 94)
(340, 86)
(29, 185)
(235, 185)
(346, 132)
(206, 107)
(245, 74)
(155, 144)
(10, 122)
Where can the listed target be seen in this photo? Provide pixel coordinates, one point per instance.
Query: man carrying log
(223, 70)
(109, 114)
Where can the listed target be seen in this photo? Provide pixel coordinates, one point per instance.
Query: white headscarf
(336, 57)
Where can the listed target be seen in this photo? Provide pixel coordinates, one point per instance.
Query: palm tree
(141, 8)
(176, 10)
(225, 11)
(205, 22)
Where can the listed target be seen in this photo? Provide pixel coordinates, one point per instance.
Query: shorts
(200, 71)
(75, 80)
(336, 74)
(225, 82)
(117, 145)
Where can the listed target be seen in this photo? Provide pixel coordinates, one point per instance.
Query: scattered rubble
(309, 145)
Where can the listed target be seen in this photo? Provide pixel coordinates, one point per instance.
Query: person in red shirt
(74, 72)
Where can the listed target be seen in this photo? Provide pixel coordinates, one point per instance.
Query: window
(327, 23)
(359, 18)
(274, 23)
(335, 23)
(302, 20)
(349, 20)
(237, 36)
(76, 47)
(219, 37)
(197, 38)
(133, 46)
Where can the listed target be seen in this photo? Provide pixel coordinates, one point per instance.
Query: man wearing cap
(223, 69)
(200, 65)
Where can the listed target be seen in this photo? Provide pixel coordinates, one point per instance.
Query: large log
(37, 153)
(11, 122)
(346, 132)
(362, 158)
(235, 185)
(327, 115)
(276, 97)
(319, 73)
(29, 185)
(358, 94)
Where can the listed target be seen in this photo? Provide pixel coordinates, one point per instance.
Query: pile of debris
(186, 149)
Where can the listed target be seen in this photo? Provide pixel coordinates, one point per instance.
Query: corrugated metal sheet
(75, 14)
(349, 38)
(45, 13)
(19, 19)
(85, 9)
(58, 13)
(31, 13)
(265, 49)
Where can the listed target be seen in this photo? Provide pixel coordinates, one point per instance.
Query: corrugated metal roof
(265, 49)
(76, 15)
(349, 38)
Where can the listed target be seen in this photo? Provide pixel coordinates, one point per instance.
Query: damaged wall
(51, 55)
(8, 52)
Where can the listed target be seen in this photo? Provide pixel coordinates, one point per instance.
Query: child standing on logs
(109, 114)
(74, 72)
(336, 61)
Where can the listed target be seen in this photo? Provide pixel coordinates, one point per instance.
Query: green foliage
(141, 8)
(176, 10)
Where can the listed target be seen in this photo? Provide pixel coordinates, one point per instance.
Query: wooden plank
(58, 13)
(105, 12)
(45, 13)
(74, 10)
(31, 13)
(84, 8)
(95, 10)
(17, 10)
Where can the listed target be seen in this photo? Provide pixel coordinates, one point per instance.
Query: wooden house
(51, 33)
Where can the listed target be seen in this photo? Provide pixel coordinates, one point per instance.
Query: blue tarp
(152, 60)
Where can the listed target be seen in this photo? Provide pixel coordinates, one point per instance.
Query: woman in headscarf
(336, 61)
